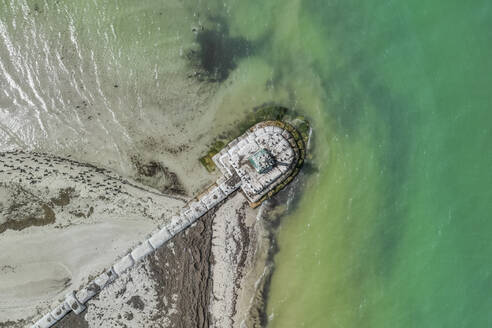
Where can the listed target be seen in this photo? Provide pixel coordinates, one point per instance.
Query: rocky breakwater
(259, 163)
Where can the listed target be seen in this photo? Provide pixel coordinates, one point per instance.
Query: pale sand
(169, 288)
(52, 262)
(81, 219)
(206, 277)
(131, 300)
(240, 248)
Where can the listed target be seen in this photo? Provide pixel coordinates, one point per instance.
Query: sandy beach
(206, 277)
(76, 219)
(71, 221)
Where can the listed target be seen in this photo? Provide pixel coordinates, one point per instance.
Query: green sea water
(393, 228)
(393, 225)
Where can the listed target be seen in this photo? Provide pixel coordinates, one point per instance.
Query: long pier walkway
(260, 162)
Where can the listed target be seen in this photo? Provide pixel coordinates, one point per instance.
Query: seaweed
(218, 52)
(206, 160)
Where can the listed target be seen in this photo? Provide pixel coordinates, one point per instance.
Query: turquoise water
(393, 226)
(394, 229)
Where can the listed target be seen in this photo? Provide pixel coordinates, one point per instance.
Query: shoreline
(62, 253)
(183, 280)
(239, 259)
(125, 123)
(239, 242)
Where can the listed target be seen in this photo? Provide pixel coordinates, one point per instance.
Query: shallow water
(392, 228)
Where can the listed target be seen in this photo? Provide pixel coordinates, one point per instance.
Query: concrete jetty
(259, 163)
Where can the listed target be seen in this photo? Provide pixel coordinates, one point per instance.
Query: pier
(259, 163)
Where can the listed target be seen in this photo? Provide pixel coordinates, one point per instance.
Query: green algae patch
(259, 114)
(206, 160)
